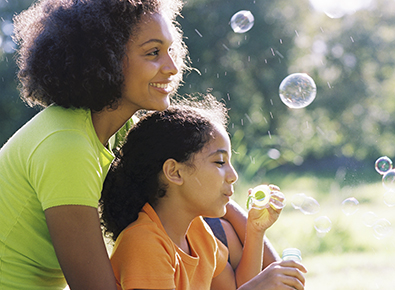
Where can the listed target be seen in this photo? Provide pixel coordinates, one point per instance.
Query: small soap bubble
(322, 224)
(389, 180)
(383, 164)
(382, 228)
(297, 200)
(369, 218)
(297, 90)
(242, 21)
(389, 198)
(350, 205)
(310, 206)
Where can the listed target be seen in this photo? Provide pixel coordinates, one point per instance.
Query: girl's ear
(171, 171)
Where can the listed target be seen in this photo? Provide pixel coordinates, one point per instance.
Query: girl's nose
(232, 175)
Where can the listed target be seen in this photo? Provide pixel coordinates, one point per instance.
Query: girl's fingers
(292, 274)
(274, 187)
(277, 200)
(278, 195)
(276, 204)
(293, 264)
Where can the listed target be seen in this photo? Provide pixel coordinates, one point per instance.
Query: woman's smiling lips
(165, 87)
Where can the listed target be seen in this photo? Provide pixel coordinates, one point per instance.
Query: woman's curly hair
(178, 132)
(71, 51)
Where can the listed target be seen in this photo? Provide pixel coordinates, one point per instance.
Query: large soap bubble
(242, 21)
(297, 90)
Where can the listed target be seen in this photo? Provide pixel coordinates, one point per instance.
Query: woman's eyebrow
(151, 40)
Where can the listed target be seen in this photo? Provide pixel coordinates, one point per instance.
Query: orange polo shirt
(144, 257)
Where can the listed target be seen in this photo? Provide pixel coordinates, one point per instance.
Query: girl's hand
(285, 275)
(262, 218)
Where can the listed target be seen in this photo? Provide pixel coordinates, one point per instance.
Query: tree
(13, 112)
(351, 60)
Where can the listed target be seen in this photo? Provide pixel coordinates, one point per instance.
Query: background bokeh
(326, 150)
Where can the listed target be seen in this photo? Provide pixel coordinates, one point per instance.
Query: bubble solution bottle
(292, 254)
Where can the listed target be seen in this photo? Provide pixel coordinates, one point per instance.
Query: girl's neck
(176, 225)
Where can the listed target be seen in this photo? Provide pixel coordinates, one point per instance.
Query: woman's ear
(171, 171)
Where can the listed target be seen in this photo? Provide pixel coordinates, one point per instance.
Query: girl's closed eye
(220, 163)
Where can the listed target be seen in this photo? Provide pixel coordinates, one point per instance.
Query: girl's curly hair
(178, 132)
(71, 51)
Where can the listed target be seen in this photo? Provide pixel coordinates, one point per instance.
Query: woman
(92, 64)
(154, 198)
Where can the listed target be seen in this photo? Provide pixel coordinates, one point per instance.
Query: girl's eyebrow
(219, 151)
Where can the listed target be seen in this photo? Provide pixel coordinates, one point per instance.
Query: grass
(351, 255)
(350, 271)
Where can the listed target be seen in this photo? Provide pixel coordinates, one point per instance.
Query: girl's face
(209, 185)
(149, 66)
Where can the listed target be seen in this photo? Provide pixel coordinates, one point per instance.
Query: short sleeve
(65, 170)
(144, 259)
(222, 258)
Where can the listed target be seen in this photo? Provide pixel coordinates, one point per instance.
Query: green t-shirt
(54, 159)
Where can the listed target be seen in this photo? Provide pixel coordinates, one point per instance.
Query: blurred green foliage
(351, 60)
(13, 112)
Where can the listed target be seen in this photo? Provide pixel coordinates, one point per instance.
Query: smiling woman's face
(149, 66)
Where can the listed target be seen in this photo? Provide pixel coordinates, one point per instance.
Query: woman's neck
(108, 121)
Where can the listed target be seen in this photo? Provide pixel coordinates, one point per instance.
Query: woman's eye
(154, 53)
(221, 163)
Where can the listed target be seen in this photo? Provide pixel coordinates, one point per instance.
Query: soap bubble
(297, 90)
(242, 21)
(389, 198)
(322, 224)
(383, 164)
(350, 205)
(297, 200)
(305, 204)
(382, 228)
(369, 218)
(310, 206)
(389, 180)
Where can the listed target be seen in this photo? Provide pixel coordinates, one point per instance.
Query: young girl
(173, 169)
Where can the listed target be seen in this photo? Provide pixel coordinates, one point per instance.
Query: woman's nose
(170, 66)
